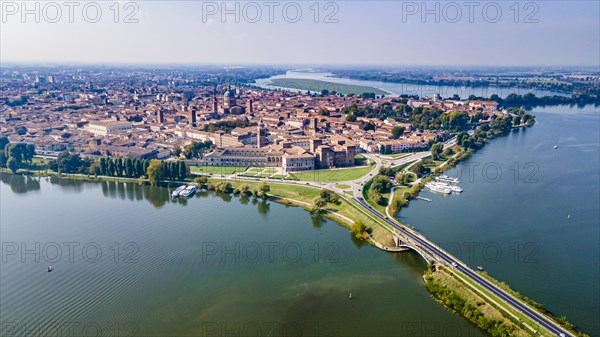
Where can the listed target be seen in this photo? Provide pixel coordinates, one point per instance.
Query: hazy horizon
(343, 33)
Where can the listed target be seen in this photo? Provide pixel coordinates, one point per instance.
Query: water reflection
(263, 206)
(132, 191)
(20, 184)
(317, 220)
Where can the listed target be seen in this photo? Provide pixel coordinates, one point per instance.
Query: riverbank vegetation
(562, 321)
(458, 297)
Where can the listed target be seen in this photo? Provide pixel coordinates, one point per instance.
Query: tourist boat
(437, 187)
(49, 268)
(455, 188)
(447, 179)
(452, 187)
(177, 191)
(188, 191)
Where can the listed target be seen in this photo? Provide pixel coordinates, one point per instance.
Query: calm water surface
(529, 213)
(397, 89)
(129, 261)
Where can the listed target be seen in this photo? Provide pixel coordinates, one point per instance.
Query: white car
(454, 264)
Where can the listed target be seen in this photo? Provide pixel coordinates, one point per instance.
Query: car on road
(454, 264)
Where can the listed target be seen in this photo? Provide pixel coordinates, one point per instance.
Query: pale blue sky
(387, 32)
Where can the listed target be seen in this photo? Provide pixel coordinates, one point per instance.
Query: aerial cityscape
(203, 169)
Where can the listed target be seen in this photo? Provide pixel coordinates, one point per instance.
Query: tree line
(14, 155)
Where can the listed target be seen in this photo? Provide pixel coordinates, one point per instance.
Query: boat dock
(423, 198)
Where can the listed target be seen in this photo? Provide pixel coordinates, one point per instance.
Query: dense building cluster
(148, 115)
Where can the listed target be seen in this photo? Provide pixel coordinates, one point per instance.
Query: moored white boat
(447, 179)
(177, 191)
(188, 191)
(437, 187)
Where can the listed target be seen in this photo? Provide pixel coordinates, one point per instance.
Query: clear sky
(346, 32)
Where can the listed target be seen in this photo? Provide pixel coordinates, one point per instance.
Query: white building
(103, 128)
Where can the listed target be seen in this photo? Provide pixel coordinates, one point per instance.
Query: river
(397, 89)
(529, 213)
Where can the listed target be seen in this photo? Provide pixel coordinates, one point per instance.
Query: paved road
(476, 278)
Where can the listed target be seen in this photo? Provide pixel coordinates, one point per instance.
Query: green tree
(397, 131)
(94, 169)
(139, 168)
(119, 167)
(70, 163)
(358, 229)
(3, 142)
(201, 180)
(155, 171)
(177, 151)
(165, 169)
(173, 171)
(110, 167)
(262, 190)
(103, 166)
(182, 170)
(436, 150)
(12, 164)
(223, 186)
(245, 189)
(381, 183)
(15, 150)
(317, 205)
(29, 152)
(129, 171)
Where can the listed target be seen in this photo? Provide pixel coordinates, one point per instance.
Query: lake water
(129, 261)
(529, 213)
(397, 89)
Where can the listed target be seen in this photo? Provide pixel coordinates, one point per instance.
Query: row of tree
(161, 170)
(119, 167)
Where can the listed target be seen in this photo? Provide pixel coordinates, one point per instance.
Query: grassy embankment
(453, 293)
(303, 196)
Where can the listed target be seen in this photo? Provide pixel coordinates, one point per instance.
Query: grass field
(317, 86)
(398, 155)
(335, 175)
(217, 169)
